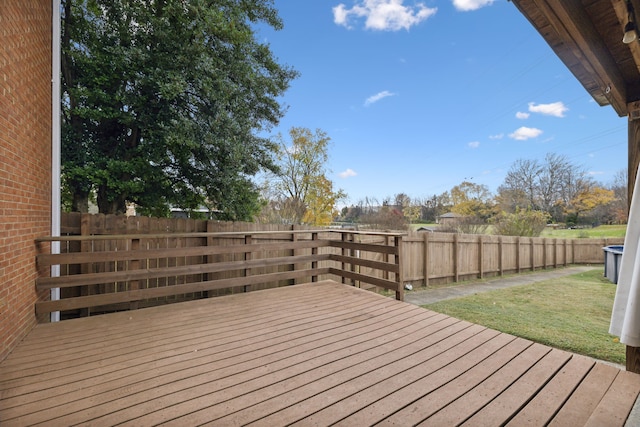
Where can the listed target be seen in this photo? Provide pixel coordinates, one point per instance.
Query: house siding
(25, 159)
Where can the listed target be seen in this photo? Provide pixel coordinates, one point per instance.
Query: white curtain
(625, 318)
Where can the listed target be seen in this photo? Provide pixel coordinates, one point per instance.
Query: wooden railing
(115, 272)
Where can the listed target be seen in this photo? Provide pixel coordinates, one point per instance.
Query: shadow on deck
(311, 354)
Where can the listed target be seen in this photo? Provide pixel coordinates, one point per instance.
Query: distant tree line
(533, 194)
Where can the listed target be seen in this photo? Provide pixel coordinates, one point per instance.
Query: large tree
(300, 192)
(472, 200)
(165, 103)
(550, 186)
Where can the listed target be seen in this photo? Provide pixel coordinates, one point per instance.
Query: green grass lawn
(599, 232)
(570, 313)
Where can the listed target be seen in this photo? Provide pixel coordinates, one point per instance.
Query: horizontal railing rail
(119, 271)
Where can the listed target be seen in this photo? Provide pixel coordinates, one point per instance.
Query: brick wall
(25, 158)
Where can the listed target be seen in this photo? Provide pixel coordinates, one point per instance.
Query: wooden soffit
(587, 36)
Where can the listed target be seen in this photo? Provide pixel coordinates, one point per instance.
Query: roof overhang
(587, 36)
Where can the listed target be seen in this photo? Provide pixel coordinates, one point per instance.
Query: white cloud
(347, 173)
(474, 144)
(595, 173)
(522, 116)
(468, 5)
(497, 136)
(523, 133)
(340, 15)
(377, 97)
(556, 109)
(384, 15)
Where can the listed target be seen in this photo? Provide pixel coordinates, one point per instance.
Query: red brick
(25, 159)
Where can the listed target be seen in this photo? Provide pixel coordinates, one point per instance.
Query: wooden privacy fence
(444, 257)
(129, 258)
(113, 272)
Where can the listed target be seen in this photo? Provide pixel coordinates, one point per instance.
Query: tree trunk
(108, 205)
(80, 203)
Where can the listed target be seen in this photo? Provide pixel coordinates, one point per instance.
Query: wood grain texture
(311, 354)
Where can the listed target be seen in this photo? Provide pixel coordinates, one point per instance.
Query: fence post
(456, 273)
(518, 266)
(480, 256)
(500, 251)
(426, 259)
(533, 254)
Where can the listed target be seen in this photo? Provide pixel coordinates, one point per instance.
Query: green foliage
(300, 192)
(163, 103)
(386, 218)
(524, 222)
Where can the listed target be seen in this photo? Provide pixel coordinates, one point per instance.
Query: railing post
(294, 238)
(399, 275)
(344, 253)
(85, 246)
(248, 240)
(314, 251)
(356, 254)
(134, 285)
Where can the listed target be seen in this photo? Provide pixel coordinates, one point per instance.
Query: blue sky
(418, 97)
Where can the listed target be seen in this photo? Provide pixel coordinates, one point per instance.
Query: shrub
(528, 223)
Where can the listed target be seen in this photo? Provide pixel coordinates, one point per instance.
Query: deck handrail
(103, 270)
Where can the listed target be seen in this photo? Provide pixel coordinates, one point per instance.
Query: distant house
(449, 218)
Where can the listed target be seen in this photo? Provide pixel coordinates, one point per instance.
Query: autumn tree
(385, 217)
(548, 186)
(589, 199)
(321, 202)
(409, 207)
(436, 205)
(472, 200)
(619, 207)
(521, 186)
(300, 190)
(165, 103)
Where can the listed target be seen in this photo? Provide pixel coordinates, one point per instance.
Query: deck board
(312, 354)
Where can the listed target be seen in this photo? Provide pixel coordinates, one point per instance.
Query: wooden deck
(313, 354)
